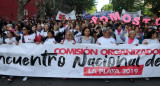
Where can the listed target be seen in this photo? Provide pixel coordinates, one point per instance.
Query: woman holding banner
(49, 39)
(86, 37)
(131, 39)
(106, 38)
(27, 37)
(151, 38)
(139, 35)
(69, 38)
(117, 32)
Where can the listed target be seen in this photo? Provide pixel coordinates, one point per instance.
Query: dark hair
(98, 27)
(29, 29)
(51, 32)
(117, 25)
(61, 25)
(109, 25)
(101, 22)
(11, 32)
(85, 29)
(149, 35)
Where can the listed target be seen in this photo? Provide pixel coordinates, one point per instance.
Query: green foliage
(148, 12)
(155, 5)
(108, 7)
(92, 11)
(118, 5)
(135, 5)
(78, 5)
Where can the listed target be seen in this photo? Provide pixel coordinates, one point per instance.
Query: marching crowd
(82, 31)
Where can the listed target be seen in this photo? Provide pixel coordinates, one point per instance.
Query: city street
(78, 82)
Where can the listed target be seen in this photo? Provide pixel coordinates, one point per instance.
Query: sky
(100, 4)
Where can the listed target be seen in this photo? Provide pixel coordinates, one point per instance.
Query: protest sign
(82, 61)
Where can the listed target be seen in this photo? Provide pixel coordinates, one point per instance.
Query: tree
(78, 5)
(148, 12)
(21, 4)
(155, 5)
(93, 10)
(108, 7)
(51, 7)
(41, 8)
(118, 5)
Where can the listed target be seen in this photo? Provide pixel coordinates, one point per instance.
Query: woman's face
(87, 32)
(71, 25)
(141, 30)
(5, 27)
(77, 27)
(55, 28)
(154, 35)
(150, 29)
(146, 26)
(100, 23)
(38, 27)
(106, 34)
(83, 26)
(49, 35)
(9, 34)
(105, 25)
(120, 27)
(25, 31)
(59, 24)
(137, 29)
(129, 28)
(34, 28)
(46, 27)
(132, 35)
(67, 35)
(16, 27)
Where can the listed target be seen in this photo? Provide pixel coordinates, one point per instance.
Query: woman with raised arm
(131, 39)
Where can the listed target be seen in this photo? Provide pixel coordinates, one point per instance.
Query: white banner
(61, 15)
(132, 14)
(70, 61)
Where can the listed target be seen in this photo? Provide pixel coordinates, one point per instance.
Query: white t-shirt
(65, 41)
(118, 39)
(55, 33)
(45, 34)
(105, 41)
(77, 36)
(41, 33)
(13, 40)
(61, 29)
(150, 41)
(49, 41)
(72, 30)
(135, 41)
(28, 38)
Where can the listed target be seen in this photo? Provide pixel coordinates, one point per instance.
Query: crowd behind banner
(83, 31)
